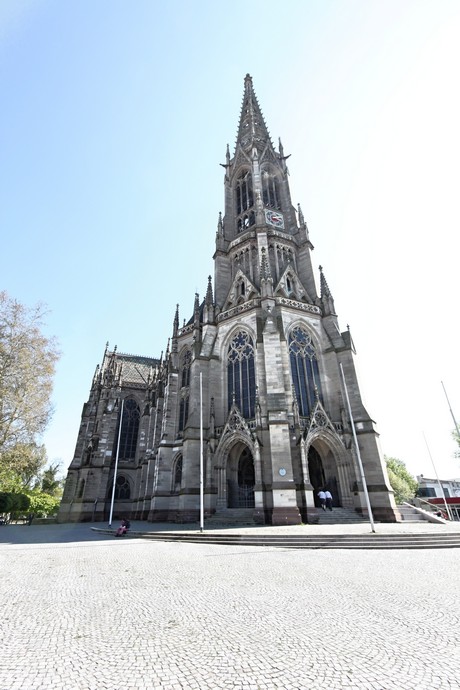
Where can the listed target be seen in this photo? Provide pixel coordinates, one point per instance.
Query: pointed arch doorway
(240, 477)
(323, 474)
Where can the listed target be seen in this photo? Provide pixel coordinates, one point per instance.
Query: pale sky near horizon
(114, 119)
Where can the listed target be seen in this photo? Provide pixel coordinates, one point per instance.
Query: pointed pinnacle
(265, 272)
(325, 292)
(209, 297)
(176, 321)
(301, 218)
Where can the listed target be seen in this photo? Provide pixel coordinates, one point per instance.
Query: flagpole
(116, 464)
(358, 455)
(201, 456)
(437, 479)
(455, 421)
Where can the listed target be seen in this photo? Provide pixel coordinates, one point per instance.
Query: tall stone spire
(252, 130)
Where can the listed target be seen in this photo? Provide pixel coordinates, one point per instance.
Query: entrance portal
(240, 478)
(316, 472)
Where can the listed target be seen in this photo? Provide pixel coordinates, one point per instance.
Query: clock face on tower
(274, 218)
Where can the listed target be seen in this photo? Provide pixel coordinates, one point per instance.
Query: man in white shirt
(322, 499)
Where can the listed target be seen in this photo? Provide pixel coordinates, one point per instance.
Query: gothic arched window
(122, 488)
(244, 201)
(177, 475)
(241, 374)
(304, 369)
(186, 361)
(270, 191)
(183, 411)
(129, 430)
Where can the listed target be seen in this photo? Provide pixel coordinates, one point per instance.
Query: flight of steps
(231, 517)
(336, 516)
(409, 514)
(309, 540)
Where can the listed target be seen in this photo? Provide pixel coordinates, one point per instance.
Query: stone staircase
(432, 540)
(409, 514)
(240, 517)
(336, 516)
(231, 517)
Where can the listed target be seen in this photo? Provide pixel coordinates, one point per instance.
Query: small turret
(208, 311)
(176, 321)
(327, 301)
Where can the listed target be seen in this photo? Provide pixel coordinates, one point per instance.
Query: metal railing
(436, 508)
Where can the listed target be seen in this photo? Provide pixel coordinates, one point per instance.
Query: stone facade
(263, 352)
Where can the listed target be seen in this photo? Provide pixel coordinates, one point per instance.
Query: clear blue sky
(114, 119)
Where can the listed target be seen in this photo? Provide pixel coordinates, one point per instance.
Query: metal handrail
(434, 507)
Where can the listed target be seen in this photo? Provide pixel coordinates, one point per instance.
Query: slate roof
(136, 368)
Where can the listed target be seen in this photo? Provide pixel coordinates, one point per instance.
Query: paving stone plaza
(85, 611)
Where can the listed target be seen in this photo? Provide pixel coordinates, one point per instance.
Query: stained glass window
(304, 369)
(129, 430)
(241, 374)
(186, 361)
(122, 488)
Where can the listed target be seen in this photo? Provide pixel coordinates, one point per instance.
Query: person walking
(328, 496)
(322, 499)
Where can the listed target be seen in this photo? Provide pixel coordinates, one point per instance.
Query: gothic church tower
(263, 351)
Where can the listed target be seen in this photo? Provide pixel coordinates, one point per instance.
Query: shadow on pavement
(53, 534)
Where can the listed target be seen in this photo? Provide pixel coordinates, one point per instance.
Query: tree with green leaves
(51, 483)
(402, 482)
(27, 460)
(27, 365)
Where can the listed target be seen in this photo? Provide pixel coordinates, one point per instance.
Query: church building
(251, 385)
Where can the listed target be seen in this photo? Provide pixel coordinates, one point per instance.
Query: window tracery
(304, 369)
(177, 474)
(129, 431)
(241, 374)
(270, 191)
(186, 362)
(122, 488)
(244, 202)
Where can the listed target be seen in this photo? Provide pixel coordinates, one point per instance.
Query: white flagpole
(437, 479)
(201, 456)
(358, 454)
(116, 465)
(455, 421)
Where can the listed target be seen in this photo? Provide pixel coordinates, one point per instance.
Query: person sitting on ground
(121, 531)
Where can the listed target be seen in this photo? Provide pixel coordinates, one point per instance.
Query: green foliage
(20, 503)
(33, 490)
(26, 460)
(402, 482)
(10, 481)
(42, 504)
(27, 363)
(6, 502)
(50, 483)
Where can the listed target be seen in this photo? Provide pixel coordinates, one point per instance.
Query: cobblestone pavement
(84, 611)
